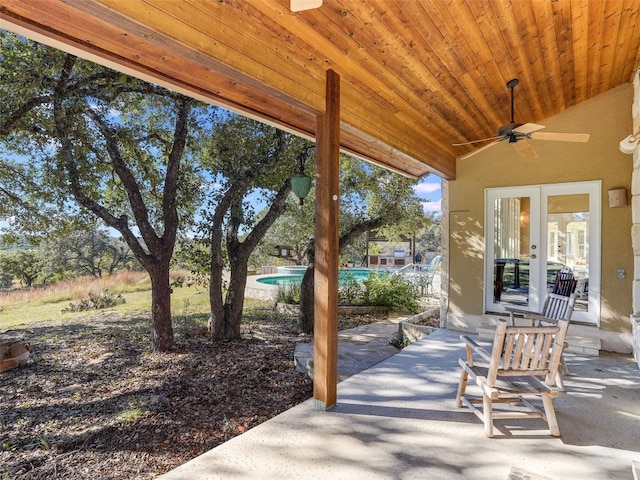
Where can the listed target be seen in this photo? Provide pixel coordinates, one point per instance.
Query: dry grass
(77, 288)
(48, 303)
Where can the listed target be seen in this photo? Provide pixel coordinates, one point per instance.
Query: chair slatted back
(526, 351)
(558, 307)
(565, 283)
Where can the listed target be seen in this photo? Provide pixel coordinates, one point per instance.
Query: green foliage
(391, 291)
(6, 280)
(25, 265)
(429, 237)
(288, 293)
(96, 301)
(133, 411)
(370, 198)
(373, 194)
(293, 228)
(379, 290)
(195, 256)
(351, 290)
(86, 252)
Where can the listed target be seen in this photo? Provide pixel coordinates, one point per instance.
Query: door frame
(538, 214)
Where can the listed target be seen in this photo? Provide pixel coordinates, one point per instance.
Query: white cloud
(432, 207)
(427, 188)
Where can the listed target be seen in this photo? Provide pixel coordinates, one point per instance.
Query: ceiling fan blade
(525, 150)
(471, 154)
(528, 128)
(561, 137)
(300, 5)
(477, 141)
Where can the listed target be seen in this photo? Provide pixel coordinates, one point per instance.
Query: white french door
(532, 232)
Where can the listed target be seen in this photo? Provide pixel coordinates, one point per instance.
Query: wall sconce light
(617, 197)
(629, 144)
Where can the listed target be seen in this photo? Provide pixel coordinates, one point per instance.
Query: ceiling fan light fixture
(629, 144)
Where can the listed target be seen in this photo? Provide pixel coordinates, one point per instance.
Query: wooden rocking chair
(565, 283)
(555, 307)
(520, 358)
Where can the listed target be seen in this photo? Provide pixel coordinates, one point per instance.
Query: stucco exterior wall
(606, 117)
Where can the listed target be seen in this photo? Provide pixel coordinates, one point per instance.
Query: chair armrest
(518, 311)
(537, 318)
(473, 346)
(521, 313)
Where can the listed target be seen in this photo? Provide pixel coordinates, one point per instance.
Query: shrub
(380, 290)
(5, 280)
(390, 291)
(288, 293)
(95, 301)
(351, 291)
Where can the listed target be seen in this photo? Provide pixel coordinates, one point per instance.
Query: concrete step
(583, 345)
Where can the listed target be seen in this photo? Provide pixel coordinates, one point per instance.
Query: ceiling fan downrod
(512, 84)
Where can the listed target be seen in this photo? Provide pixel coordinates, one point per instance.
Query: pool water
(357, 274)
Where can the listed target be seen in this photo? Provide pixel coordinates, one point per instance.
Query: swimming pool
(296, 278)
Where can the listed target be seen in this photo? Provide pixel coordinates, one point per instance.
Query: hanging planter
(301, 185)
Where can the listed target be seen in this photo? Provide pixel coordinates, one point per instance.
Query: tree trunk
(161, 308)
(227, 325)
(216, 284)
(307, 292)
(234, 303)
(305, 320)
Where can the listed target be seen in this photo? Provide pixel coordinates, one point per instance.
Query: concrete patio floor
(398, 420)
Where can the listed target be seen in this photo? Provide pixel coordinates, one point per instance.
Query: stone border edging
(294, 309)
(410, 332)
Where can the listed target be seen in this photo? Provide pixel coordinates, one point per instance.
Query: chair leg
(550, 413)
(487, 415)
(559, 381)
(462, 386)
(562, 370)
(563, 366)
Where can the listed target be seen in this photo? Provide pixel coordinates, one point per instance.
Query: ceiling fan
(517, 134)
(300, 5)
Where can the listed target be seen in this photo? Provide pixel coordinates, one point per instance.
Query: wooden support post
(325, 344)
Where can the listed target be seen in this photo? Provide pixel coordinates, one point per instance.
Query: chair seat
(516, 385)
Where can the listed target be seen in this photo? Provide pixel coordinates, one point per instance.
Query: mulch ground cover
(97, 402)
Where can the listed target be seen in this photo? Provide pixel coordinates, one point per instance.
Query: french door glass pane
(568, 244)
(512, 232)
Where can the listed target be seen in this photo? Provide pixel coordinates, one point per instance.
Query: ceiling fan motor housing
(508, 129)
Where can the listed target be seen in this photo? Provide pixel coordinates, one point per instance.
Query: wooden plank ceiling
(417, 76)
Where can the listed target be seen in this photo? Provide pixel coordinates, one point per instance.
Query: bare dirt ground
(96, 402)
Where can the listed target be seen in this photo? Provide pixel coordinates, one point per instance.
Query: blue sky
(430, 190)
